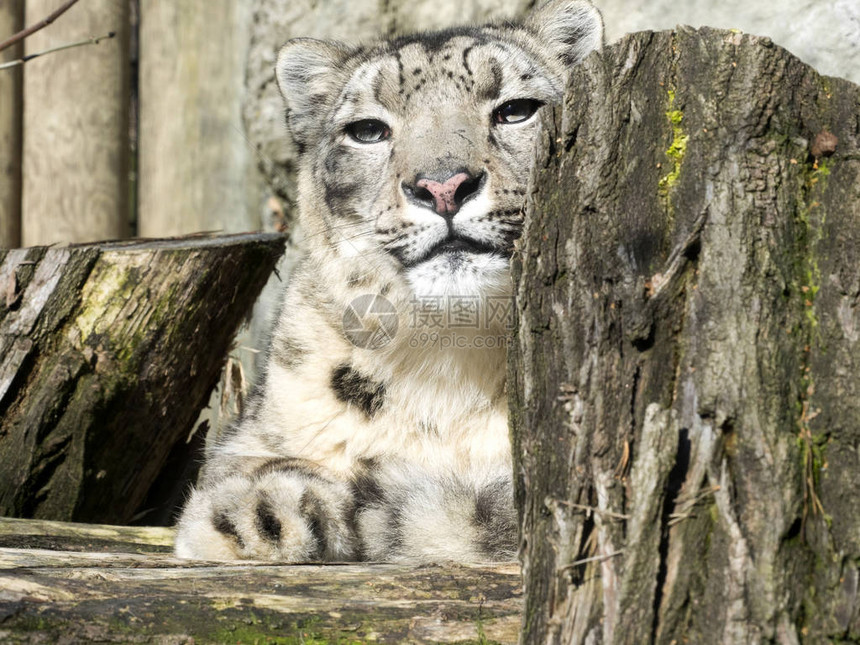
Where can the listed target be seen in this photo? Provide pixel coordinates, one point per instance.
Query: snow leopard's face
(415, 154)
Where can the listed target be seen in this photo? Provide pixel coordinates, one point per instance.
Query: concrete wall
(822, 33)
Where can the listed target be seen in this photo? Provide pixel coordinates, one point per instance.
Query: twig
(32, 29)
(677, 259)
(593, 509)
(689, 504)
(594, 558)
(89, 41)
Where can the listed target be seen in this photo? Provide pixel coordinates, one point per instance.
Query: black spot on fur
(483, 509)
(267, 524)
(434, 41)
(311, 507)
(224, 526)
(273, 441)
(366, 490)
(337, 194)
(429, 428)
(318, 100)
(401, 78)
(491, 92)
(290, 465)
(494, 518)
(572, 40)
(340, 192)
(466, 66)
(395, 524)
(287, 352)
(377, 87)
(356, 279)
(352, 387)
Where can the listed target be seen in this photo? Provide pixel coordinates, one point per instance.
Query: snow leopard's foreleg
(284, 510)
(292, 510)
(413, 513)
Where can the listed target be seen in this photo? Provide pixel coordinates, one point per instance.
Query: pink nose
(445, 198)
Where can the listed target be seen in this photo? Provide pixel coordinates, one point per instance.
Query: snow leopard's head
(414, 154)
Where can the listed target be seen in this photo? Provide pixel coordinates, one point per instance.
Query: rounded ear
(309, 74)
(572, 28)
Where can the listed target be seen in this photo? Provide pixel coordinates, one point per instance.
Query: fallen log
(85, 583)
(108, 352)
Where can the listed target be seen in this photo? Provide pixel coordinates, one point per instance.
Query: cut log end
(107, 354)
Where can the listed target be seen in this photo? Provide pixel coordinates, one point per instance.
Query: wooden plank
(75, 185)
(195, 164)
(116, 583)
(70, 532)
(11, 108)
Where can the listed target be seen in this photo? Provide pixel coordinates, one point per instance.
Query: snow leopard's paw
(284, 512)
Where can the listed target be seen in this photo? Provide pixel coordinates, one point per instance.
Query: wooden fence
(11, 95)
(138, 135)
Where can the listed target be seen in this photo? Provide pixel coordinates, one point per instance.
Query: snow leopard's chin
(461, 274)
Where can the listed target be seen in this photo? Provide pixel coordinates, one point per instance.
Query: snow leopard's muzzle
(446, 194)
(464, 225)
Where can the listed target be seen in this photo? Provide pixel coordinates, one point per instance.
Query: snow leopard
(379, 431)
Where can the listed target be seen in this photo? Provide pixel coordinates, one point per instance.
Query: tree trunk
(685, 380)
(11, 106)
(107, 354)
(75, 177)
(78, 583)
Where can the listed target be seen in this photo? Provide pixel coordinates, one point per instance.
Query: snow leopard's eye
(516, 111)
(368, 131)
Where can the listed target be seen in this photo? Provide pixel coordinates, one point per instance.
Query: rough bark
(11, 108)
(84, 583)
(75, 175)
(107, 354)
(685, 380)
